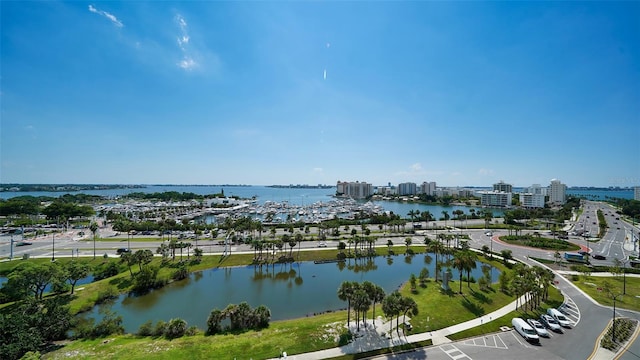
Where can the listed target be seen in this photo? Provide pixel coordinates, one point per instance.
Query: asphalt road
(575, 343)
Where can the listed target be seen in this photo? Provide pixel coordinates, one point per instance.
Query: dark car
(23, 243)
(599, 257)
(123, 251)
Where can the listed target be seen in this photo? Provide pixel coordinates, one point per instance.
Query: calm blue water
(602, 194)
(289, 290)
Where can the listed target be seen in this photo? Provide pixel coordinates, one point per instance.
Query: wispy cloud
(485, 172)
(109, 16)
(187, 62)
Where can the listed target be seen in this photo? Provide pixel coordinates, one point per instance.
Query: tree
(76, 270)
(445, 217)
(94, 228)
(436, 247)
(459, 264)
(142, 257)
(408, 241)
(214, 322)
(345, 293)
(361, 305)
(506, 256)
(391, 307)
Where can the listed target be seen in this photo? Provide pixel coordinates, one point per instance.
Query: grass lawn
(592, 285)
(539, 242)
(438, 309)
(555, 299)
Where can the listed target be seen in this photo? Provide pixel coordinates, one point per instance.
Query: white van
(560, 318)
(524, 329)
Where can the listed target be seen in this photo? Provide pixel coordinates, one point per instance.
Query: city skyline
(313, 93)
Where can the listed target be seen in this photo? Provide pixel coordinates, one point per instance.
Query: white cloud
(318, 170)
(109, 16)
(188, 62)
(417, 167)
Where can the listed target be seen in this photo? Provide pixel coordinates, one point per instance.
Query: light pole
(53, 247)
(613, 323)
(624, 277)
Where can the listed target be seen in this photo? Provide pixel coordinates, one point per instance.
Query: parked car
(23, 243)
(322, 244)
(550, 322)
(122, 251)
(525, 330)
(538, 327)
(559, 317)
(599, 257)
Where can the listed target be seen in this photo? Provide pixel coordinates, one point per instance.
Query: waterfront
(288, 290)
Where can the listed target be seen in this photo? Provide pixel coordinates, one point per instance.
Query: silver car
(538, 327)
(550, 322)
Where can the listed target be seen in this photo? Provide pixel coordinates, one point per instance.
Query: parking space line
(452, 350)
(518, 340)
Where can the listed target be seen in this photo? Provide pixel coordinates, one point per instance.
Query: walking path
(376, 334)
(371, 338)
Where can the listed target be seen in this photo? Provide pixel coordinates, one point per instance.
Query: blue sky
(461, 93)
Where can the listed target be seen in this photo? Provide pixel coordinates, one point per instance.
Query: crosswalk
(570, 310)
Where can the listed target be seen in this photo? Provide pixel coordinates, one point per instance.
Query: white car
(538, 327)
(559, 317)
(488, 233)
(322, 244)
(550, 322)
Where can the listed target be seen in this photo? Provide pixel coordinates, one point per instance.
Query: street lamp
(624, 277)
(613, 323)
(53, 247)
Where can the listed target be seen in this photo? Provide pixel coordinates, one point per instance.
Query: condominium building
(529, 200)
(502, 186)
(428, 188)
(557, 192)
(354, 190)
(636, 193)
(407, 188)
(536, 189)
(495, 198)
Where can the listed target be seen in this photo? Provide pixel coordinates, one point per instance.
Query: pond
(288, 290)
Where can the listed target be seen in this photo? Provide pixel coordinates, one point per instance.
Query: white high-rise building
(355, 190)
(495, 198)
(530, 200)
(636, 193)
(428, 188)
(536, 189)
(502, 186)
(557, 192)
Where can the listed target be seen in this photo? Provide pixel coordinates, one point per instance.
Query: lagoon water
(289, 290)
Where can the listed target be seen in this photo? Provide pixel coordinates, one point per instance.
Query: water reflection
(289, 290)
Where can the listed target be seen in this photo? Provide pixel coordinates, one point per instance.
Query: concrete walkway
(371, 338)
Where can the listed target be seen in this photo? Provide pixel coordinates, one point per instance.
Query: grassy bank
(539, 242)
(592, 285)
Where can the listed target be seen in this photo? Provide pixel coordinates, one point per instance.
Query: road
(575, 343)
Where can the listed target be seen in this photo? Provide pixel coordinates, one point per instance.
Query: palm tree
(94, 228)
(299, 239)
(412, 214)
(459, 264)
(345, 293)
(436, 247)
(407, 242)
(391, 307)
(408, 306)
(445, 216)
(361, 304)
(469, 264)
(292, 242)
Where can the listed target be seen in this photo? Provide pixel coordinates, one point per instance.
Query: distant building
(355, 190)
(557, 192)
(385, 190)
(428, 188)
(502, 186)
(407, 188)
(536, 189)
(529, 200)
(495, 198)
(636, 193)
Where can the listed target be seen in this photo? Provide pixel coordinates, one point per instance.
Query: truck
(575, 257)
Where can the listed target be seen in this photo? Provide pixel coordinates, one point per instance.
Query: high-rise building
(355, 190)
(557, 192)
(495, 198)
(428, 188)
(636, 193)
(407, 188)
(529, 200)
(502, 186)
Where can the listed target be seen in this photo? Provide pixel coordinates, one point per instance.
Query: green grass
(539, 242)
(438, 309)
(555, 299)
(393, 350)
(592, 285)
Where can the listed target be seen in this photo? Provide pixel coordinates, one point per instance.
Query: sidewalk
(371, 338)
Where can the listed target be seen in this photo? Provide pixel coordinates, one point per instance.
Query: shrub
(191, 331)
(146, 329)
(180, 273)
(160, 328)
(105, 270)
(175, 329)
